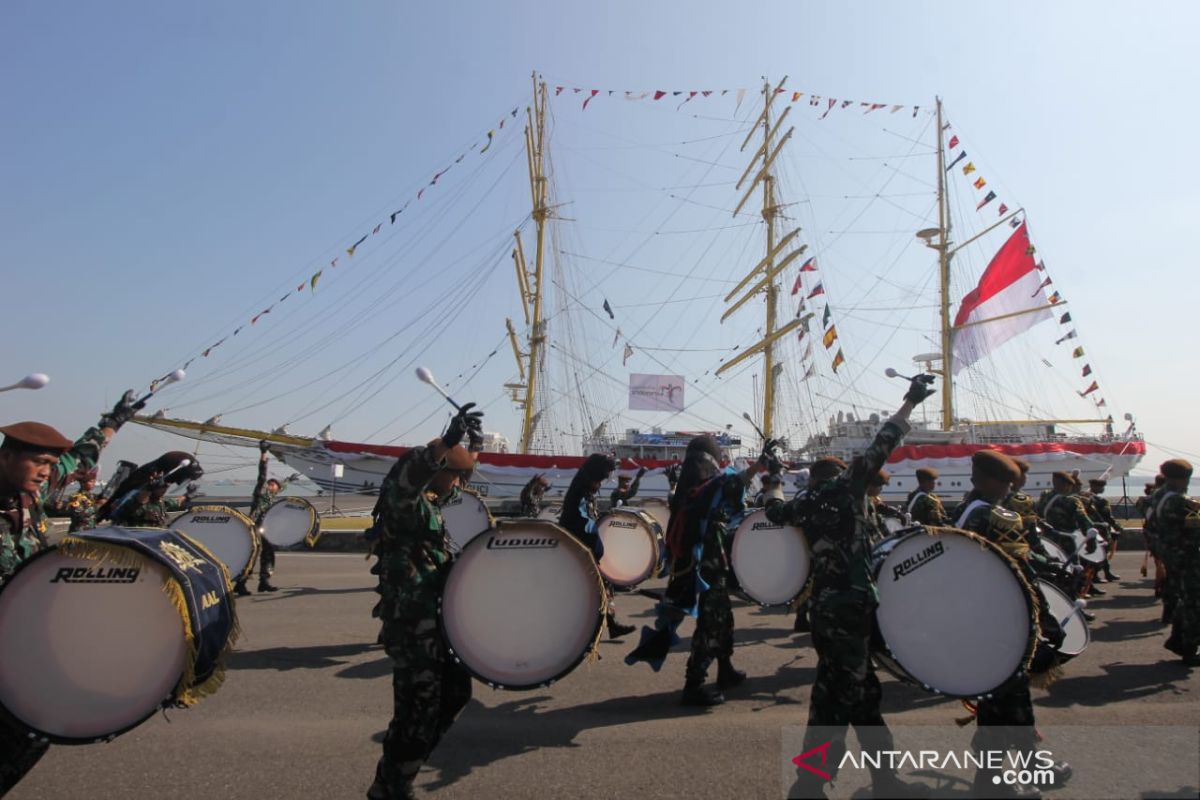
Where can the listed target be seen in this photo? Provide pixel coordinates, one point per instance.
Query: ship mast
(943, 248)
(769, 267)
(529, 282)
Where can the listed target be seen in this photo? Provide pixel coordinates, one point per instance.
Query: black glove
(264, 446)
(641, 472)
(920, 388)
(192, 488)
(462, 422)
(770, 457)
(122, 412)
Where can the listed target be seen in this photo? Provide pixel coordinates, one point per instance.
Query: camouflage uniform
(260, 501)
(429, 687)
(1178, 523)
(620, 497)
(1063, 512)
(531, 498)
(835, 517)
(1011, 705)
(151, 514)
(926, 508)
(81, 508)
(879, 511)
(1145, 506)
(22, 533)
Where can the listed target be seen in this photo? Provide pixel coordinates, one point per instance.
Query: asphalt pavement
(308, 695)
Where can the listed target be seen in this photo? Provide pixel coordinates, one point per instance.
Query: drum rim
(805, 590)
(656, 538)
(314, 526)
(54, 738)
(593, 638)
(255, 538)
(491, 519)
(1030, 604)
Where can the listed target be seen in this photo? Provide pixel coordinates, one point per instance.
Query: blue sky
(170, 168)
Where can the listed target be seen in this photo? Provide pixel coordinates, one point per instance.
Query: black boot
(615, 629)
(697, 694)
(265, 586)
(239, 588)
(379, 790)
(802, 625)
(1096, 590)
(727, 676)
(1108, 573)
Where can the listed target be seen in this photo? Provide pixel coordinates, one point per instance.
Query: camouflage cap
(1176, 469)
(928, 474)
(994, 465)
(35, 436)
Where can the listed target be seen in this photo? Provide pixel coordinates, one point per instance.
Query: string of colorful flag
(829, 330)
(483, 144)
(822, 103)
(979, 183)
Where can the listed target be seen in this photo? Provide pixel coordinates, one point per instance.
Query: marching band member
(924, 506)
(265, 491)
(35, 462)
(835, 519)
(1177, 521)
(625, 490)
(1005, 717)
(532, 494)
(706, 499)
(429, 688)
(1098, 508)
(1144, 506)
(579, 518)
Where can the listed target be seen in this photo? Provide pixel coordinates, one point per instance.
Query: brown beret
(623, 479)
(880, 478)
(1176, 469)
(457, 458)
(1021, 463)
(35, 436)
(1063, 477)
(995, 465)
(825, 468)
(927, 474)
(1097, 482)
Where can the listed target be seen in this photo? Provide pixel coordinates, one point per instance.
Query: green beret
(994, 465)
(35, 436)
(1176, 469)
(927, 474)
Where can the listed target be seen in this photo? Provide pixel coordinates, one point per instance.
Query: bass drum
(633, 546)
(658, 508)
(290, 521)
(1056, 553)
(522, 605)
(955, 614)
(771, 562)
(113, 624)
(465, 517)
(228, 534)
(1070, 617)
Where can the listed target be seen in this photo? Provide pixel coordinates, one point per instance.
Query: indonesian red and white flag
(1009, 285)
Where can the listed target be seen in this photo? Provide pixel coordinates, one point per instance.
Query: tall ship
(971, 303)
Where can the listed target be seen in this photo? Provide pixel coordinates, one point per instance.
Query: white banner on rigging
(655, 392)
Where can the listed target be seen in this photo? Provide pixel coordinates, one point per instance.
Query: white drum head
(1078, 637)
(893, 525)
(1097, 554)
(521, 606)
(772, 562)
(953, 613)
(226, 533)
(631, 546)
(658, 508)
(1055, 552)
(550, 513)
(289, 521)
(466, 517)
(90, 649)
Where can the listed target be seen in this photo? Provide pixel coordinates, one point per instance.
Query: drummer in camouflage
(1005, 717)
(835, 517)
(429, 688)
(265, 491)
(1177, 519)
(626, 490)
(36, 461)
(924, 506)
(1098, 508)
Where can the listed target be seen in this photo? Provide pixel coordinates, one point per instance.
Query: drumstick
(1079, 606)
(891, 373)
(757, 429)
(35, 381)
(173, 377)
(425, 376)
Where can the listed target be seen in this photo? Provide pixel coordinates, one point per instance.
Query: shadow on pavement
(483, 736)
(1119, 682)
(1120, 629)
(289, 658)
